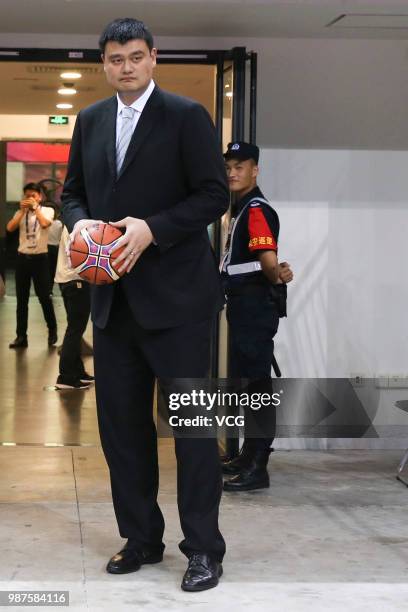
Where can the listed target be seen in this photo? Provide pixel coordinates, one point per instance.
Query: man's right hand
(79, 225)
(25, 204)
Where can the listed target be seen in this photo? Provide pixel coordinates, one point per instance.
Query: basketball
(90, 253)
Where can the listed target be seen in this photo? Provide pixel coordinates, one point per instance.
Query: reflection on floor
(330, 533)
(29, 412)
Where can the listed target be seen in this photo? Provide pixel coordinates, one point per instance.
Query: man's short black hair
(33, 187)
(124, 29)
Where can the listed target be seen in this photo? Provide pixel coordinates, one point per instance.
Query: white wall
(14, 181)
(344, 221)
(34, 126)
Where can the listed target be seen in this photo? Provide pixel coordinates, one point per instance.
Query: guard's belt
(277, 293)
(244, 268)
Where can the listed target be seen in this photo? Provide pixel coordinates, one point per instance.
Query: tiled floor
(330, 533)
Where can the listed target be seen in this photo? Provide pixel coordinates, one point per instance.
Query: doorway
(223, 81)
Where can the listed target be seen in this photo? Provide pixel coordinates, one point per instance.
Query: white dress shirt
(54, 233)
(138, 105)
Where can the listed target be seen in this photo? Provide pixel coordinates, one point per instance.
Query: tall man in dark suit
(150, 161)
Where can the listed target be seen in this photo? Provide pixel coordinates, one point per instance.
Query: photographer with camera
(32, 220)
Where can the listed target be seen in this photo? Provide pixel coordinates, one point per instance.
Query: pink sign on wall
(37, 152)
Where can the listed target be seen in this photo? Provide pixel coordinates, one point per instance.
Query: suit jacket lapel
(147, 121)
(109, 129)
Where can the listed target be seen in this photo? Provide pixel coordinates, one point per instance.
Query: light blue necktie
(125, 135)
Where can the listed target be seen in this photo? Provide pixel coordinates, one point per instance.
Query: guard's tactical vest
(238, 262)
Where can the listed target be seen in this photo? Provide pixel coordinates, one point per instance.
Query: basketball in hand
(90, 253)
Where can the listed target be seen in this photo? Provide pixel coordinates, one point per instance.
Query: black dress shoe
(202, 573)
(130, 560)
(253, 476)
(235, 465)
(52, 337)
(19, 342)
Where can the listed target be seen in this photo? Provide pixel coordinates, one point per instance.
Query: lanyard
(31, 235)
(231, 231)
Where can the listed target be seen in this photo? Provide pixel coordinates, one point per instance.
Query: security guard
(255, 286)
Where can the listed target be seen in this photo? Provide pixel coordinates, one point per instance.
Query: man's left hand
(136, 239)
(285, 272)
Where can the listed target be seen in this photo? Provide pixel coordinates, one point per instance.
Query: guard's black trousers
(253, 322)
(33, 267)
(127, 360)
(77, 305)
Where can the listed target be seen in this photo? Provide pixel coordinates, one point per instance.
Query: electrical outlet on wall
(398, 381)
(381, 381)
(357, 379)
(391, 381)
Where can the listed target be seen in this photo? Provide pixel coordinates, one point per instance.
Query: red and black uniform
(252, 312)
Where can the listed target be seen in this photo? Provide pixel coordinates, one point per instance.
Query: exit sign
(58, 119)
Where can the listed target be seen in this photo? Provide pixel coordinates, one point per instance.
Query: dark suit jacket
(173, 176)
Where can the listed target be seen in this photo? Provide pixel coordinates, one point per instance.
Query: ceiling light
(67, 91)
(70, 75)
(64, 106)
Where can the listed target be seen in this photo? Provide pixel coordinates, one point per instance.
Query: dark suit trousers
(127, 360)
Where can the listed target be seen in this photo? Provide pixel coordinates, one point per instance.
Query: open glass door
(235, 120)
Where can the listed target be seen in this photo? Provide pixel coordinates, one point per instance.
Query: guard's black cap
(242, 151)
